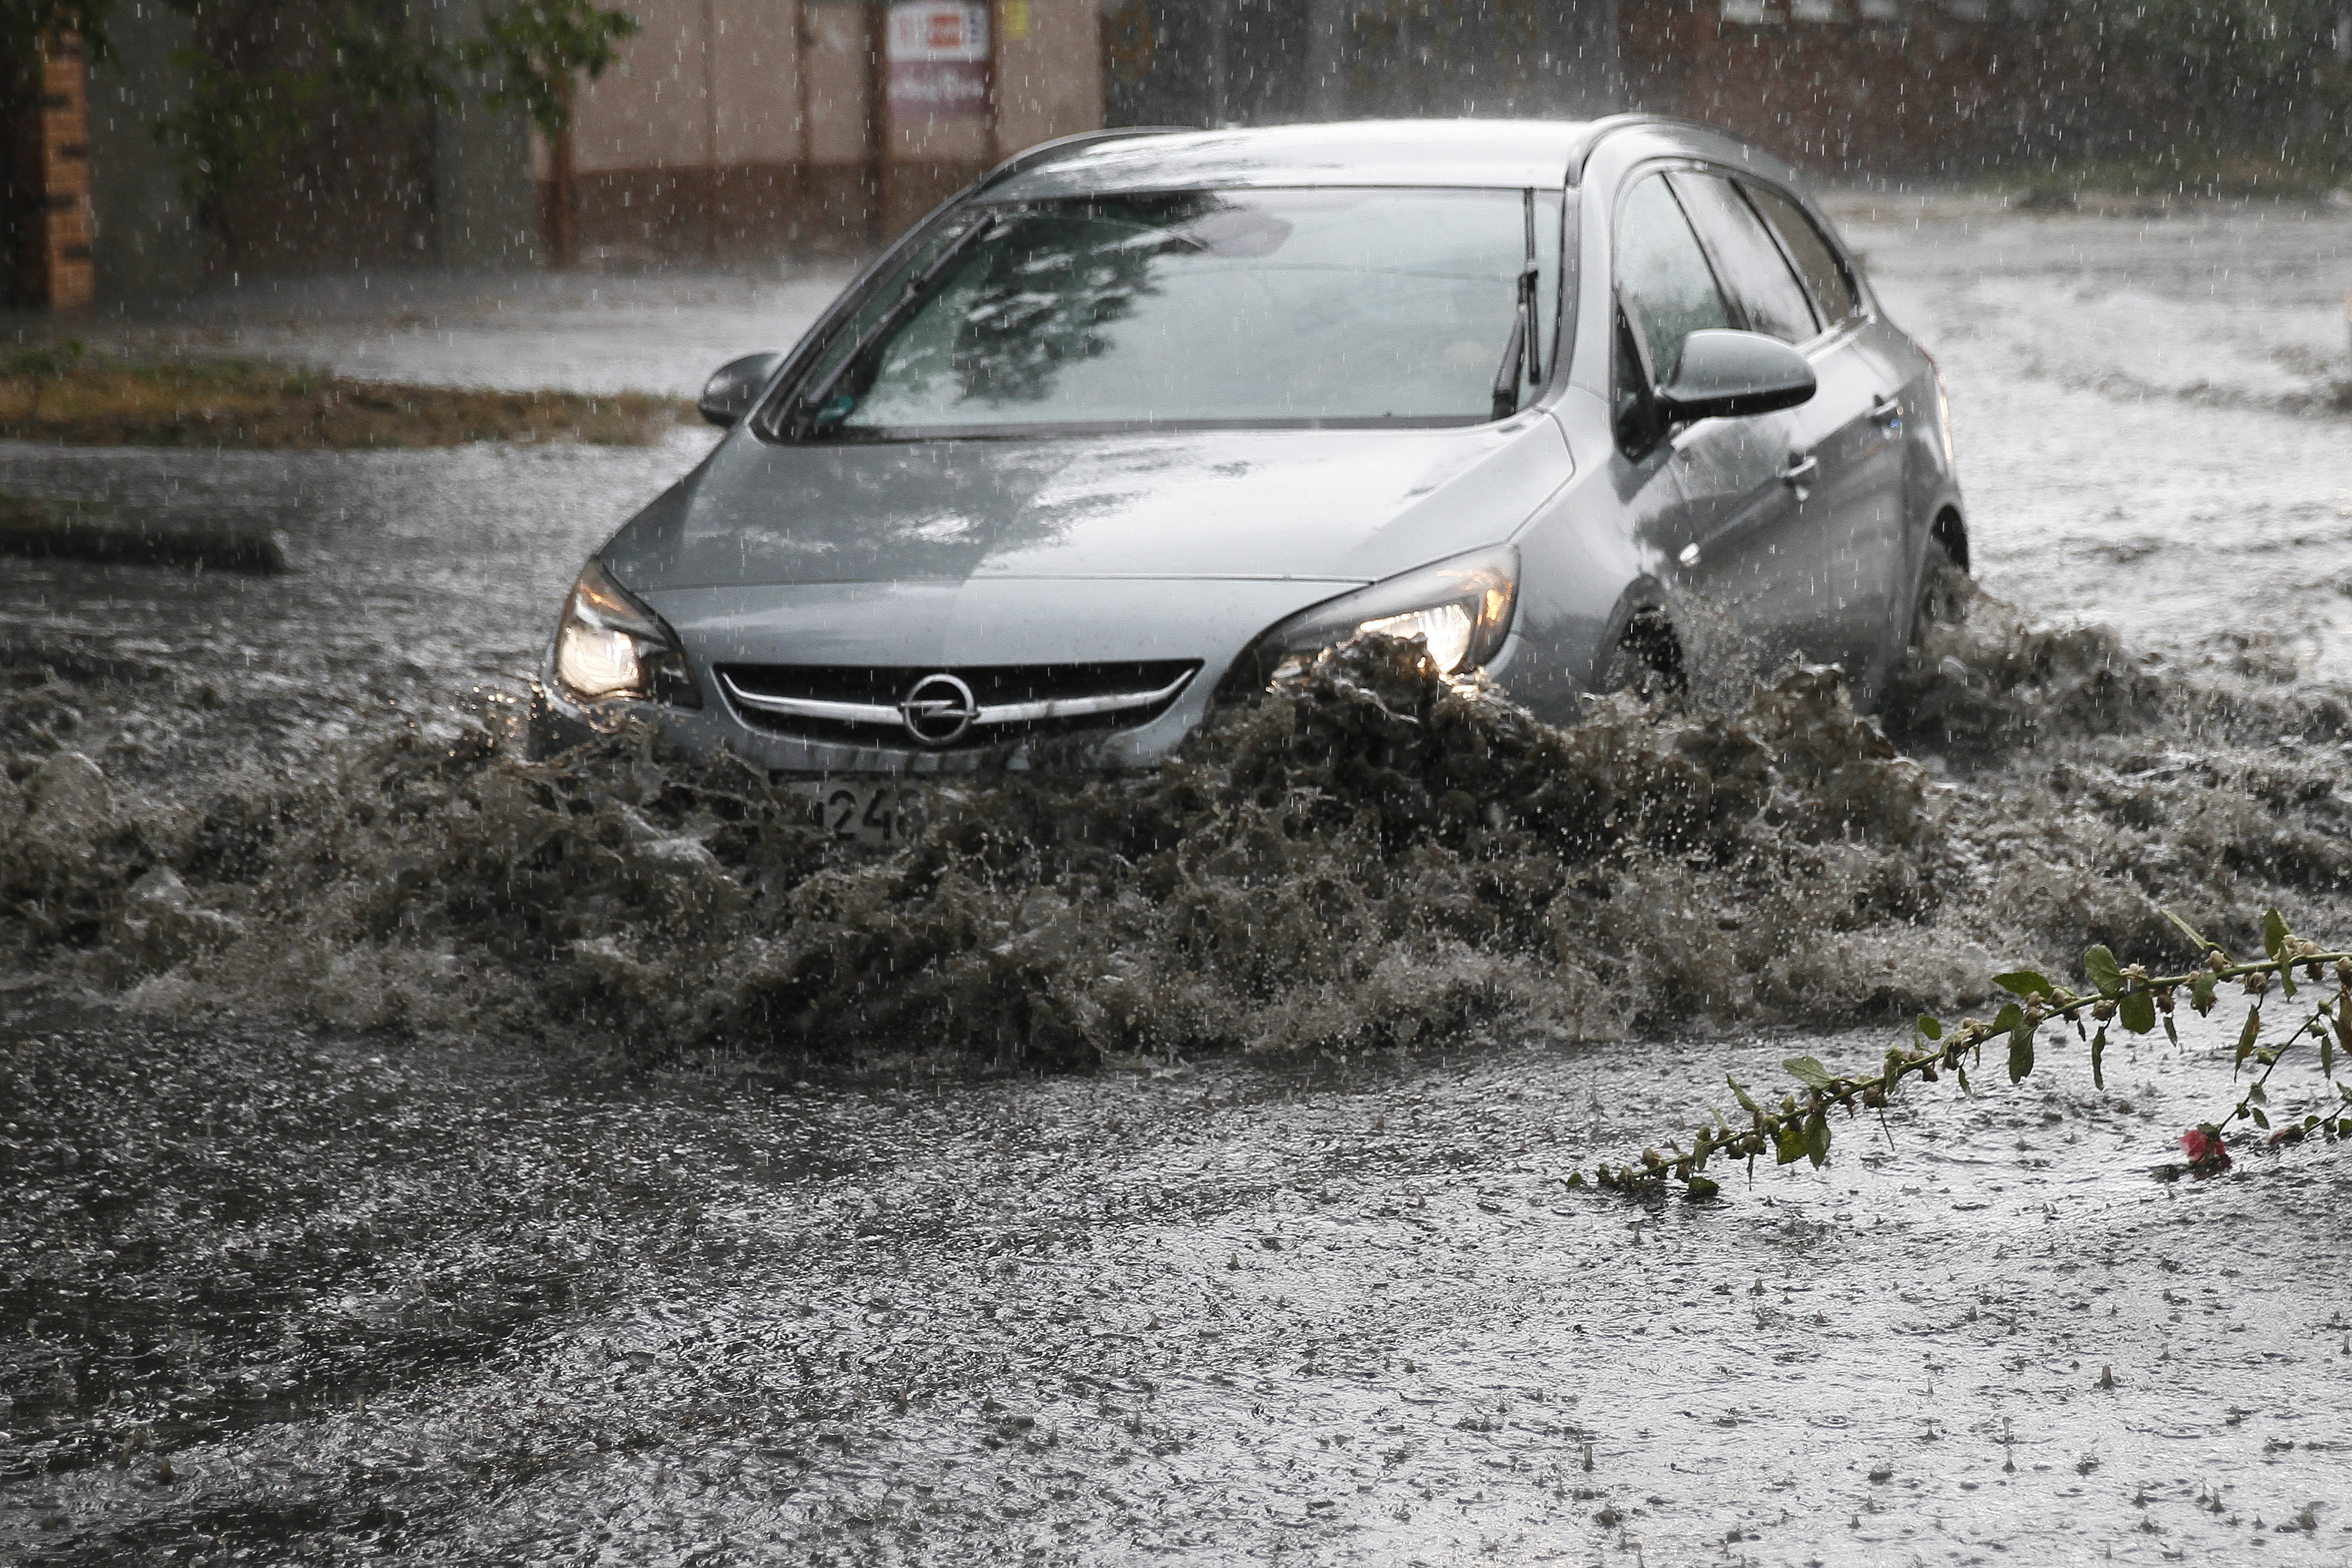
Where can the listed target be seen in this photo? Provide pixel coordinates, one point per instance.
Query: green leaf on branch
(2136, 1010)
(1740, 1088)
(2170, 1033)
(2342, 1032)
(2098, 1058)
(2187, 931)
(1817, 1139)
(2010, 1018)
(1933, 1028)
(2260, 1119)
(2022, 983)
(1809, 1071)
(1789, 1147)
(1962, 1074)
(1700, 1186)
(2248, 1035)
(2273, 933)
(2020, 1054)
(2200, 993)
(2107, 975)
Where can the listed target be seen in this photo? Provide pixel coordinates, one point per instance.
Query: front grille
(864, 705)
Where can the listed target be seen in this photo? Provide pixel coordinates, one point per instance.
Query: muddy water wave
(1361, 860)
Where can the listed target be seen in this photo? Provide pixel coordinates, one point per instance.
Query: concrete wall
(735, 130)
(1049, 79)
(485, 204)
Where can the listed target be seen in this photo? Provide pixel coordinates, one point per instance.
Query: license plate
(863, 811)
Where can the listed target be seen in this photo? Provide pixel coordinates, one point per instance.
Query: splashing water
(1367, 857)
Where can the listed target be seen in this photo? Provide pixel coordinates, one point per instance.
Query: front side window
(1665, 275)
(1817, 262)
(1273, 306)
(1754, 268)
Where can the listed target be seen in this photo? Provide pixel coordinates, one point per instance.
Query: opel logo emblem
(938, 709)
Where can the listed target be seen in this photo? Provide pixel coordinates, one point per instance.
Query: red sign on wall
(938, 52)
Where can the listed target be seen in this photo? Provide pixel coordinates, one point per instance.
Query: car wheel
(1945, 590)
(1647, 660)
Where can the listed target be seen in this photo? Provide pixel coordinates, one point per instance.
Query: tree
(545, 47)
(254, 69)
(2254, 72)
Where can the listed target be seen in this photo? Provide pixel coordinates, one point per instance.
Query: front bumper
(946, 626)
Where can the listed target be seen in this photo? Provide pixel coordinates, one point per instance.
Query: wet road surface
(2153, 414)
(373, 1298)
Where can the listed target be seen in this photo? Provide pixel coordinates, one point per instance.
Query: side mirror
(734, 390)
(1724, 374)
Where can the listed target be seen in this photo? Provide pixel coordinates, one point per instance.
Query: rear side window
(1817, 262)
(1753, 267)
(1665, 275)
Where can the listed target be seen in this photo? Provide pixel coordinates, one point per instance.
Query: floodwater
(415, 1223)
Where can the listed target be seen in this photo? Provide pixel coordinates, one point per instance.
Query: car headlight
(610, 645)
(1461, 607)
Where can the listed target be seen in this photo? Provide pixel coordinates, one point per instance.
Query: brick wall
(48, 225)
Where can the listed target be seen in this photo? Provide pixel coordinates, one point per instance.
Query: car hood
(1339, 505)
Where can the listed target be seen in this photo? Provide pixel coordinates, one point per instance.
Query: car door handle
(1887, 410)
(1800, 472)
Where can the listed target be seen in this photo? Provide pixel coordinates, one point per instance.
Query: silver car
(1143, 415)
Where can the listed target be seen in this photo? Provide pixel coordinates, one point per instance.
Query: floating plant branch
(1798, 1126)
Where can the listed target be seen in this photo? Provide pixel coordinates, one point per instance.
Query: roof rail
(1608, 125)
(1045, 150)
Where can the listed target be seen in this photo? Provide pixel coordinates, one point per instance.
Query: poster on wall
(938, 52)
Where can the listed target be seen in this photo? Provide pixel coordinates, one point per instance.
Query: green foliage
(1809, 1071)
(1800, 1129)
(42, 362)
(247, 105)
(2273, 933)
(2100, 968)
(2258, 82)
(26, 25)
(232, 123)
(2222, 52)
(543, 47)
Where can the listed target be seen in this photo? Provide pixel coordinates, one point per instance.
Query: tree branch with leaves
(248, 102)
(1797, 1125)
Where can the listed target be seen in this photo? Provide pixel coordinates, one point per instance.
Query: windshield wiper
(808, 410)
(1522, 353)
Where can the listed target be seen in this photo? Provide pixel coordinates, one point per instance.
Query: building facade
(743, 129)
(814, 126)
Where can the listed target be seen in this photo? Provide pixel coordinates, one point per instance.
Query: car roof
(1517, 153)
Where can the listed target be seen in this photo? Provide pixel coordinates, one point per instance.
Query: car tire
(1945, 589)
(1647, 661)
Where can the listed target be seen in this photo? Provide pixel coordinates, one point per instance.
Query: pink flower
(2204, 1148)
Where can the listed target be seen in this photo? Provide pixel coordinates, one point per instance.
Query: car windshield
(1226, 307)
